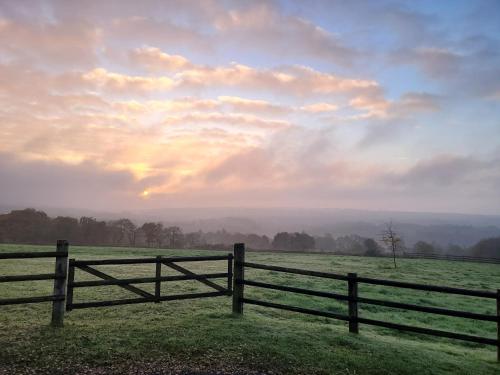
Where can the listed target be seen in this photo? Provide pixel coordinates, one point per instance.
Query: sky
(378, 105)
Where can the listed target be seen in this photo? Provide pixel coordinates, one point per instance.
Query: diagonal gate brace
(105, 276)
(188, 272)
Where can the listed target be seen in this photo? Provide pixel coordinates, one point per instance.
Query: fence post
(238, 277)
(353, 303)
(61, 274)
(229, 274)
(71, 280)
(498, 325)
(158, 281)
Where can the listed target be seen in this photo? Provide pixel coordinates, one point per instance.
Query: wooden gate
(88, 266)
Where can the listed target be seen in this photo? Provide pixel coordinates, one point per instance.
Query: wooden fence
(65, 285)
(144, 296)
(59, 276)
(353, 300)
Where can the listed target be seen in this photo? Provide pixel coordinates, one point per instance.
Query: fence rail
(35, 254)
(354, 300)
(126, 283)
(59, 276)
(461, 258)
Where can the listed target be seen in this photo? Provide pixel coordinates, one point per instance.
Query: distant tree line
(36, 227)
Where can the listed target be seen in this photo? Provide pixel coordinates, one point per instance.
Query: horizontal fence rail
(296, 309)
(147, 280)
(26, 300)
(354, 300)
(113, 262)
(59, 276)
(126, 283)
(35, 254)
(429, 288)
(460, 258)
(296, 271)
(130, 301)
(294, 290)
(45, 276)
(429, 331)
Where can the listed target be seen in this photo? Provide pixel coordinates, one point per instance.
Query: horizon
(7, 207)
(126, 107)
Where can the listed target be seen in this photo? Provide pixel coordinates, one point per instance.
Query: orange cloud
(227, 119)
(319, 107)
(116, 82)
(157, 61)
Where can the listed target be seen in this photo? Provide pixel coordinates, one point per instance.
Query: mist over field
(439, 228)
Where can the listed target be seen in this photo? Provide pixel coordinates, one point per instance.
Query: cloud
(58, 184)
(183, 104)
(435, 184)
(239, 104)
(319, 107)
(154, 60)
(59, 44)
(264, 26)
(435, 62)
(449, 171)
(406, 107)
(287, 80)
(257, 166)
(294, 77)
(373, 106)
(137, 29)
(226, 119)
(467, 68)
(116, 82)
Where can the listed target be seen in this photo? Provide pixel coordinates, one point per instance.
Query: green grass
(205, 331)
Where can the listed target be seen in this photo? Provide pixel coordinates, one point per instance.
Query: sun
(145, 194)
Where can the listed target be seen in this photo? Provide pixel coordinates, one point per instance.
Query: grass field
(203, 333)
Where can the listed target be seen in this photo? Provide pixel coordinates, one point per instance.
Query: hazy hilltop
(439, 228)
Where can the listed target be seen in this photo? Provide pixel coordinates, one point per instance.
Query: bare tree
(391, 239)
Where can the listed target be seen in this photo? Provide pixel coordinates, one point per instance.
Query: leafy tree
(293, 241)
(28, 225)
(352, 244)
(124, 229)
(255, 241)
(371, 247)
(65, 227)
(302, 241)
(455, 250)
(174, 237)
(153, 233)
(325, 242)
(282, 241)
(93, 232)
(424, 248)
(487, 248)
(193, 239)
